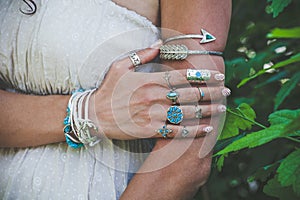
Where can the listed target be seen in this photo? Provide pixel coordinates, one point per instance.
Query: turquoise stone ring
(197, 75)
(174, 115)
(164, 131)
(173, 96)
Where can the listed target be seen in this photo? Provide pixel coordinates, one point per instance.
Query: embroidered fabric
(53, 52)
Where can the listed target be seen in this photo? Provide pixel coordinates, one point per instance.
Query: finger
(178, 78)
(191, 112)
(200, 94)
(191, 95)
(145, 55)
(184, 131)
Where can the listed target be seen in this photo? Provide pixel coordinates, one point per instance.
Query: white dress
(67, 44)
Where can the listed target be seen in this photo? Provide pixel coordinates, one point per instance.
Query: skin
(40, 127)
(182, 178)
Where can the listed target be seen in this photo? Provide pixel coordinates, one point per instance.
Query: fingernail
(219, 77)
(157, 44)
(226, 92)
(221, 108)
(208, 129)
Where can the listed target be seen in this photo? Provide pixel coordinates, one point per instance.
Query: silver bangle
(181, 52)
(206, 37)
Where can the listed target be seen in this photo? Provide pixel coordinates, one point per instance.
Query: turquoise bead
(67, 129)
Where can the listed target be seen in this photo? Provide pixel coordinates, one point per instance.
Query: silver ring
(198, 112)
(135, 59)
(164, 131)
(201, 94)
(167, 77)
(184, 132)
(197, 75)
(173, 96)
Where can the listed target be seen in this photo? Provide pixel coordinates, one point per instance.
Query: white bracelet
(81, 125)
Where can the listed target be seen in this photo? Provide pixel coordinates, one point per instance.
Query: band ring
(201, 94)
(198, 75)
(164, 131)
(174, 115)
(167, 77)
(184, 132)
(135, 59)
(173, 96)
(198, 112)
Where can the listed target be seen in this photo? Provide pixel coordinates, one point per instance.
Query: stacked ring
(174, 115)
(197, 75)
(135, 59)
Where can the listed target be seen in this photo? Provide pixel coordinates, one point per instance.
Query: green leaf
(275, 189)
(286, 90)
(280, 122)
(293, 59)
(220, 162)
(264, 173)
(241, 117)
(284, 33)
(277, 6)
(289, 171)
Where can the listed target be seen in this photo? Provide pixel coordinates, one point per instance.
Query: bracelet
(77, 122)
(206, 37)
(181, 52)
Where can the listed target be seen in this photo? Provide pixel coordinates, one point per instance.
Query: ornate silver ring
(135, 59)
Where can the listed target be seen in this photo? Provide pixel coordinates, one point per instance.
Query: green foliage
(275, 189)
(291, 60)
(258, 149)
(289, 171)
(285, 33)
(286, 89)
(277, 6)
(280, 122)
(241, 118)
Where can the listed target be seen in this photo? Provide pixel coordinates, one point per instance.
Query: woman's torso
(67, 44)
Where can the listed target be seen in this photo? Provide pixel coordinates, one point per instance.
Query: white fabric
(65, 45)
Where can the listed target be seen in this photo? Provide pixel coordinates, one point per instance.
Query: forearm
(29, 120)
(182, 178)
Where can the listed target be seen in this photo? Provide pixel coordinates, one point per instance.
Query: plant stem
(293, 139)
(242, 116)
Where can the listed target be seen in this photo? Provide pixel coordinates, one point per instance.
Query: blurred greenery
(258, 155)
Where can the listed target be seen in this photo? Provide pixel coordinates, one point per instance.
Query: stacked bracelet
(77, 122)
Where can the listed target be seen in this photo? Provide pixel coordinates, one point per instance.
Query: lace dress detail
(65, 45)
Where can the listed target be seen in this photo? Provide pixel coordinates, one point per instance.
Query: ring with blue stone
(198, 75)
(164, 131)
(174, 115)
(173, 96)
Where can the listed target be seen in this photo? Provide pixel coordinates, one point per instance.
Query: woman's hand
(131, 105)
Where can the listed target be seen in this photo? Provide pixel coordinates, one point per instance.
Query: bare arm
(182, 178)
(24, 122)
